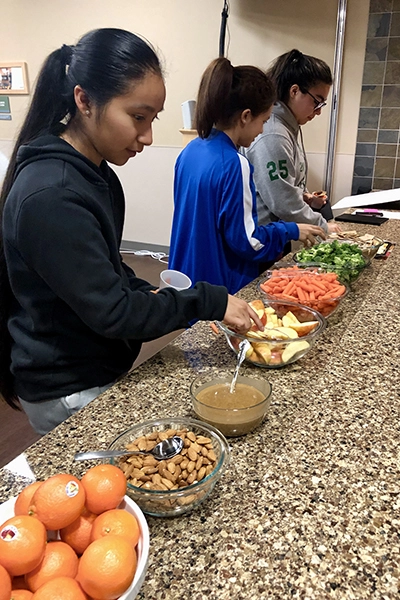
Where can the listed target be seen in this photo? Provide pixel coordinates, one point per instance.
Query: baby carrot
(214, 328)
(289, 288)
(301, 294)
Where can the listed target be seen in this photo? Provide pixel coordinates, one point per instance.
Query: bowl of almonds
(167, 488)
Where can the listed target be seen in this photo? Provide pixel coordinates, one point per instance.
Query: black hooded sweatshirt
(80, 314)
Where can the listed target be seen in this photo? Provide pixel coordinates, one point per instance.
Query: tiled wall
(377, 160)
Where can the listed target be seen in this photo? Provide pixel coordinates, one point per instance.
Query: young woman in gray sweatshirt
(277, 154)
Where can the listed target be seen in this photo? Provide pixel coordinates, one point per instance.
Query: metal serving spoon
(243, 347)
(164, 450)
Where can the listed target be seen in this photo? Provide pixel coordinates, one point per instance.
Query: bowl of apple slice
(290, 331)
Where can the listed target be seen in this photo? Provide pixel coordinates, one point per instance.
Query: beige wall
(186, 32)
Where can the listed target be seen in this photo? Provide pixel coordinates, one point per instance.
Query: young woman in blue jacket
(215, 233)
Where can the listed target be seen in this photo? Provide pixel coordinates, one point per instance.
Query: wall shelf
(188, 135)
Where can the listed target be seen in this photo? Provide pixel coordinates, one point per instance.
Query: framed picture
(13, 78)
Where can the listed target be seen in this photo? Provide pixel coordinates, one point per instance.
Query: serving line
(310, 507)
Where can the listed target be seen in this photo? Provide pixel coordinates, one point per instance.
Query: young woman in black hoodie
(73, 315)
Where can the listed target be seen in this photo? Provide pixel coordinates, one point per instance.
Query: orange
(105, 487)
(21, 595)
(107, 567)
(58, 501)
(60, 588)
(59, 560)
(116, 522)
(77, 533)
(22, 544)
(5, 584)
(24, 498)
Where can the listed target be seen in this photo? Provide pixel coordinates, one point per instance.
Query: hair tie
(66, 54)
(299, 56)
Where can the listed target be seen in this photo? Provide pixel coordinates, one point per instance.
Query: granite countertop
(310, 506)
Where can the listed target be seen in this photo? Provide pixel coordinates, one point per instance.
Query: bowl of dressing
(233, 414)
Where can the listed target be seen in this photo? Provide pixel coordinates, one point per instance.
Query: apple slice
(276, 357)
(263, 351)
(257, 305)
(259, 335)
(304, 328)
(289, 319)
(249, 352)
(288, 332)
(292, 349)
(272, 319)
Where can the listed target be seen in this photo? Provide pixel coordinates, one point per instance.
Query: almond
(192, 477)
(171, 467)
(191, 466)
(201, 439)
(192, 454)
(201, 473)
(167, 482)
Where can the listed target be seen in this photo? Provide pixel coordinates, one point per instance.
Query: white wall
(148, 181)
(187, 34)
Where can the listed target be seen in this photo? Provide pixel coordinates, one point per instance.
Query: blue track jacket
(215, 233)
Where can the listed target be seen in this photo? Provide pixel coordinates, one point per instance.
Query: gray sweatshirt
(280, 171)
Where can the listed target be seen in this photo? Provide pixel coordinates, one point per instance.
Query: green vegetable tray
(344, 258)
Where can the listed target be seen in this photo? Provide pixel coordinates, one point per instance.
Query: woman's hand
(316, 199)
(307, 197)
(308, 233)
(334, 228)
(239, 315)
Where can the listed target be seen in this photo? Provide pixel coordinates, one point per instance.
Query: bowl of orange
(40, 556)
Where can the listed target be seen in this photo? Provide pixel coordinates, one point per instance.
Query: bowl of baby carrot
(313, 287)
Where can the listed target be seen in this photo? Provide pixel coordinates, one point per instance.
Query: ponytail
(47, 109)
(226, 91)
(294, 67)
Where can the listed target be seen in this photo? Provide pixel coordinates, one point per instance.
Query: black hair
(294, 67)
(226, 91)
(105, 63)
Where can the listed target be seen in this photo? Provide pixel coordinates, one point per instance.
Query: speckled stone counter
(310, 505)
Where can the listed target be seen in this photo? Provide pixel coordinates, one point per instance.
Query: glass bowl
(233, 414)
(348, 270)
(326, 307)
(165, 502)
(288, 346)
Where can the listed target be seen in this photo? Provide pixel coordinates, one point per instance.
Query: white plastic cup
(175, 279)
(188, 109)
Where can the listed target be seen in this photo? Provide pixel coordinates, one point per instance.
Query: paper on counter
(391, 214)
(367, 199)
(19, 466)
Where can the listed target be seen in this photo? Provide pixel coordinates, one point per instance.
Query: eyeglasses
(318, 103)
